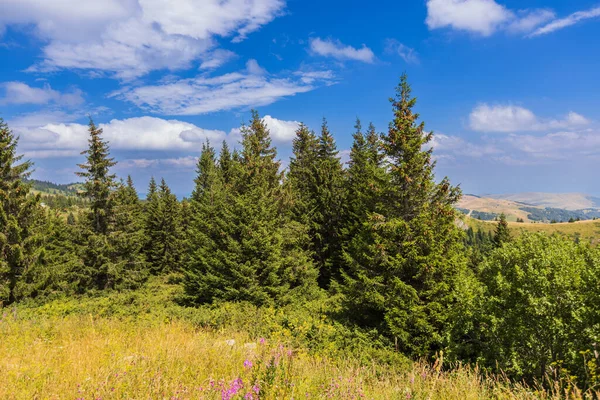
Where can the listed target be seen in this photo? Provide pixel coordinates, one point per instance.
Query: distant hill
(566, 201)
(531, 207)
(69, 189)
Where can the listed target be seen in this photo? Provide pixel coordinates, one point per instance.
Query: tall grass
(86, 357)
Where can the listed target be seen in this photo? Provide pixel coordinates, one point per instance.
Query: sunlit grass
(82, 357)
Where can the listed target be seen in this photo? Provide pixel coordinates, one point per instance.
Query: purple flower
(261, 340)
(247, 364)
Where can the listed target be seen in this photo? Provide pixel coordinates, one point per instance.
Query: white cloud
(217, 58)
(339, 51)
(21, 93)
(567, 145)
(500, 118)
(133, 37)
(567, 21)
(392, 46)
(281, 131)
(66, 139)
(483, 17)
(141, 133)
(187, 163)
(451, 146)
(530, 19)
(252, 87)
(478, 16)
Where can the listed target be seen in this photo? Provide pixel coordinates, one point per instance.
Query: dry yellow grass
(81, 357)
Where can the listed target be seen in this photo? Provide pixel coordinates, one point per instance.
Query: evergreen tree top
(10, 169)
(151, 187)
(327, 146)
(258, 156)
(97, 168)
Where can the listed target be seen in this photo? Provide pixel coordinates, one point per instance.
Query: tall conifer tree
(247, 247)
(330, 210)
(407, 259)
(20, 218)
(99, 182)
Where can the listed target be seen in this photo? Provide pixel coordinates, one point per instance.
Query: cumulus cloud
(483, 17)
(65, 139)
(478, 16)
(509, 118)
(141, 133)
(133, 37)
(567, 21)
(251, 87)
(281, 131)
(392, 46)
(185, 163)
(339, 51)
(21, 93)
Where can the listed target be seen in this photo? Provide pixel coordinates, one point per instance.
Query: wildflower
(247, 364)
(261, 340)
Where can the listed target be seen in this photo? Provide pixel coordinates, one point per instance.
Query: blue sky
(510, 88)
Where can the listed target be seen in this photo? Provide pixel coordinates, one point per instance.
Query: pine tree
(244, 245)
(301, 176)
(407, 258)
(502, 234)
(330, 209)
(99, 182)
(127, 266)
(365, 180)
(20, 220)
(164, 231)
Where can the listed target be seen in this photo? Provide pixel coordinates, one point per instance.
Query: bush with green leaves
(539, 315)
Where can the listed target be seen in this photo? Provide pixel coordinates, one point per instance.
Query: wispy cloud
(22, 93)
(484, 17)
(129, 38)
(567, 21)
(339, 51)
(392, 46)
(509, 118)
(251, 87)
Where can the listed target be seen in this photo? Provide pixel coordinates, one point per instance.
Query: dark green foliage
(20, 221)
(110, 235)
(301, 176)
(164, 230)
(329, 212)
(406, 261)
(365, 182)
(243, 245)
(502, 234)
(59, 266)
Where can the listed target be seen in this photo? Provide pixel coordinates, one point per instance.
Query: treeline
(376, 242)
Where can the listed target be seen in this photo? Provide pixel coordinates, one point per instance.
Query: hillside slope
(566, 201)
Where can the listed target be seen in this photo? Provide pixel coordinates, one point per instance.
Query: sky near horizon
(510, 88)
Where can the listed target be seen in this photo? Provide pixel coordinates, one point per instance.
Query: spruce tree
(99, 182)
(365, 180)
(127, 263)
(163, 229)
(244, 246)
(301, 176)
(407, 259)
(502, 234)
(20, 220)
(329, 209)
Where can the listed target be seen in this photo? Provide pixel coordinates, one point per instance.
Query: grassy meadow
(587, 231)
(142, 345)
